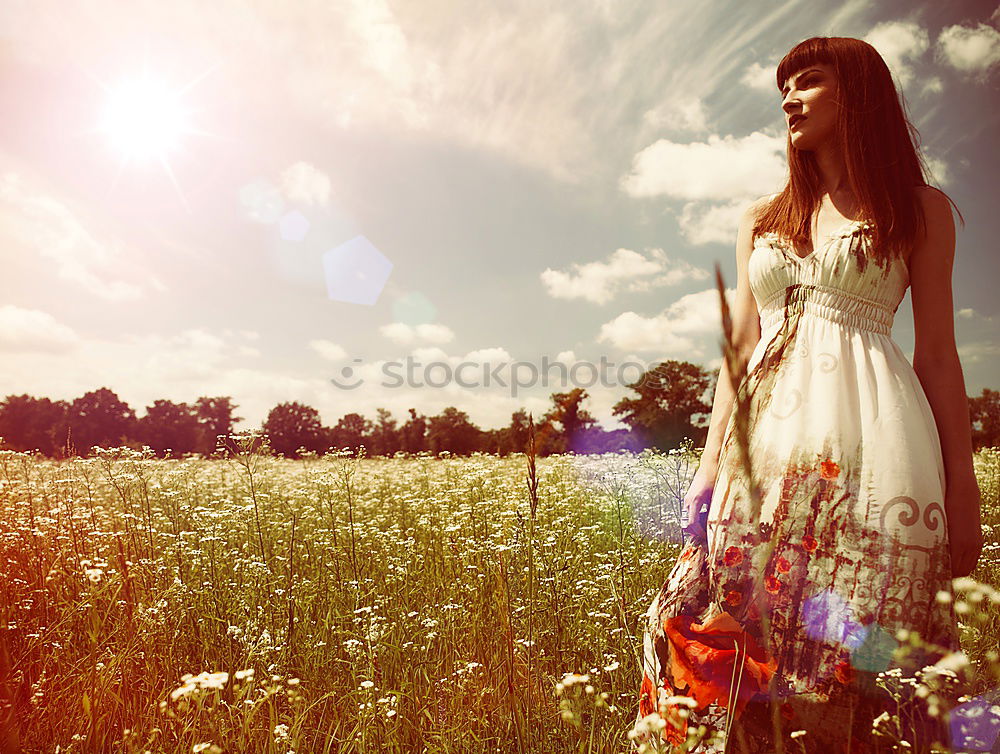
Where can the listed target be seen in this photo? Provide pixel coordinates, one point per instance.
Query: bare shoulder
(930, 267)
(752, 212)
(758, 205)
(745, 239)
(939, 238)
(930, 193)
(936, 206)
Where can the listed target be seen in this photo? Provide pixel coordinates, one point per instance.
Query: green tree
(28, 423)
(414, 432)
(352, 431)
(215, 417)
(574, 422)
(385, 435)
(669, 395)
(101, 418)
(514, 437)
(984, 412)
(290, 426)
(169, 426)
(451, 430)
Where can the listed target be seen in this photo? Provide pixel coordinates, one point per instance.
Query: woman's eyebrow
(802, 75)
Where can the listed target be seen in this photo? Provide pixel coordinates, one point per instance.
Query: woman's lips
(795, 121)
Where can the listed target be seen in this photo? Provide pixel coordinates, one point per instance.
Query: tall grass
(336, 603)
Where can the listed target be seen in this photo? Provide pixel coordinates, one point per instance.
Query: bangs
(804, 54)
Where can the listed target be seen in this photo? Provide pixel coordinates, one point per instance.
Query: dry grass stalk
(532, 481)
(736, 368)
(10, 742)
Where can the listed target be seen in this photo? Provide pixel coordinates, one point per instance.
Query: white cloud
(487, 355)
(191, 355)
(631, 330)
(678, 115)
(32, 330)
(900, 43)
(248, 334)
(939, 168)
(302, 182)
(328, 349)
(970, 313)
(702, 223)
(933, 85)
(385, 46)
(623, 271)
(979, 351)
(972, 50)
(139, 367)
(435, 333)
(404, 334)
(672, 333)
(431, 353)
(761, 77)
(713, 365)
(50, 228)
(719, 169)
(198, 338)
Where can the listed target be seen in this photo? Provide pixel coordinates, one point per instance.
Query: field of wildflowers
(250, 603)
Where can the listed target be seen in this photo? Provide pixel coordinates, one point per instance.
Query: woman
(785, 606)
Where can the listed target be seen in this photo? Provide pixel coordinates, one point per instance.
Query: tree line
(669, 404)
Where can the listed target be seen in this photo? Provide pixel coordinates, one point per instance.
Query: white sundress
(851, 543)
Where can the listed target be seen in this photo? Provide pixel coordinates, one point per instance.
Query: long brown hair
(880, 147)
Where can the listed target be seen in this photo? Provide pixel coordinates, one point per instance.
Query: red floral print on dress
(843, 672)
(782, 565)
(772, 584)
(676, 730)
(733, 556)
(733, 597)
(647, 700)
(809, 543)
(703, 658)
(677, 724)
(829, 469)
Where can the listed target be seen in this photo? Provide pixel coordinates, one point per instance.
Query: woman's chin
(803, 144)
(807, 141)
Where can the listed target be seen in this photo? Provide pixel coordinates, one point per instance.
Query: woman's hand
(698, 497)
(963, 504)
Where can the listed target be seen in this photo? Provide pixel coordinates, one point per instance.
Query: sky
(339, 203)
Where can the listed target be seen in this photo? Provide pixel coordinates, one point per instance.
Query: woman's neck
(833, 172)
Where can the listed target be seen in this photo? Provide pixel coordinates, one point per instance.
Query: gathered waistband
(827, 302)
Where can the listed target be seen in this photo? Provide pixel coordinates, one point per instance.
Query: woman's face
(809, 99)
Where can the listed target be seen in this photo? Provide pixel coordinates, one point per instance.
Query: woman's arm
(936, 362)
(746, 334)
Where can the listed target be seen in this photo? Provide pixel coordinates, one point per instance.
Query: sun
(143, 120)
